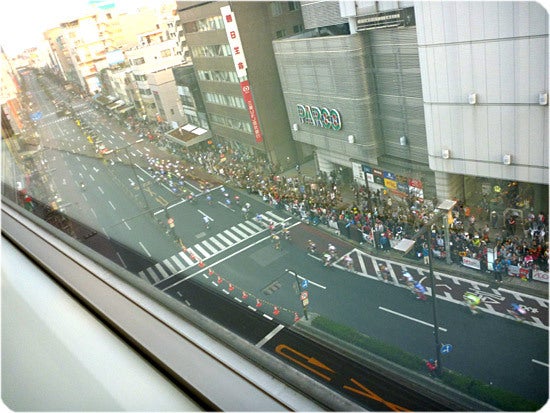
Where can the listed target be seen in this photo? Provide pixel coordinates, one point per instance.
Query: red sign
(249, 101)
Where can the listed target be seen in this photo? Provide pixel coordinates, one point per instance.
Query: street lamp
(443, 208)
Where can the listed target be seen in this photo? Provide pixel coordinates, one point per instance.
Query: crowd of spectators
(378, 217)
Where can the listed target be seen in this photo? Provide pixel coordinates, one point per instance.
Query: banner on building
(249, 101)
(234, 39)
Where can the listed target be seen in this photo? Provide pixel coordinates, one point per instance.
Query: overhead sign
(393, 18)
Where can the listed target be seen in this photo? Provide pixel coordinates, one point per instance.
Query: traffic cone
(231, 287)
(210, 272)
(220, 280)
(192, 256)
(275, 311)
(258, 303)
(184, 248)
(201, 264)
(296, 317)
(245, 295)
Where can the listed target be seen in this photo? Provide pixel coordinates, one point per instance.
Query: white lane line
(410, 318)
(539, 362)
(110, 203)
(145, 249)
(93, 212)
(269, 336)
(205, 215)
(100, 190)
(127, 226)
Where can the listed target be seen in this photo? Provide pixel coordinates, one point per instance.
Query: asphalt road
(236, 259)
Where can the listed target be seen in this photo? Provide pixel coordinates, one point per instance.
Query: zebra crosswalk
(195, 254)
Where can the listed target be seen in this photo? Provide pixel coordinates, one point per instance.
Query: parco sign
(321, 117)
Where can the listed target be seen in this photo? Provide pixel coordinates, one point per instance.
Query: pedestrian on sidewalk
(498, 269)
(426, 253)
(431, 365)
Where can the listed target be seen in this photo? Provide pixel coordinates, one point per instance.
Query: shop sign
(390, 184)
(378, 176)
(320, 117)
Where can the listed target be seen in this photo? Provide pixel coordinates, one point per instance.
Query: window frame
(213, 374)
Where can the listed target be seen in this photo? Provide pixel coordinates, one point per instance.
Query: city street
(236, 257)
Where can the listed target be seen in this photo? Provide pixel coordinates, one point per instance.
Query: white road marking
(110, 203)
(539, 362)
(145, 249)
(410, 318)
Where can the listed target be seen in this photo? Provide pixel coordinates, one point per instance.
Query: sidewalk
(536, 288)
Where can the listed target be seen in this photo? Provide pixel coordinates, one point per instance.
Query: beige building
(165, 93)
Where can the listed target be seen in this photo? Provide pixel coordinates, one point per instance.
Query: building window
(138, 61)
(276, 9)
(216, 50)
(293, 5)
(298, 28)
(280, 33)
(225, 100)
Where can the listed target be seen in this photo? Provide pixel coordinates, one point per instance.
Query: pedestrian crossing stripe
(176, 261)
(247, 229)
(161, 270)
(205, 249)
(239, 232)
(275, 216)
(218, 243)
(202, 251)
(153, 274)
(169, 265)
(186, 258)
(229, 243)
(209, 246)
(231, 235)
(253, 225)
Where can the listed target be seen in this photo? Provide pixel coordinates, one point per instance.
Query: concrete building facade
(485, 73)
(245, 106)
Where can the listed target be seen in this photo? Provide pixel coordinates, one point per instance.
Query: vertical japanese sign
(234, 40)
(239, 61)
(249, 101)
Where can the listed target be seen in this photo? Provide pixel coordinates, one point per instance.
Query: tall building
(154, 54)
(9, 103)
(484, 68)
(394, 95)
(230, 44)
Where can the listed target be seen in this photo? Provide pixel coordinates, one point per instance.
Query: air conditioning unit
(295, 127)
(446, 154)
(472, 98)
(543, 98)
(507, 159)
(403, 141)
(351, 139)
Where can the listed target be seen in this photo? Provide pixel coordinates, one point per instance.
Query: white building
(484, 68)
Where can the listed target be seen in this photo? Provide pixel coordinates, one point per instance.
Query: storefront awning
(188, 135)
(116, 104)
(123, 109)
(105, 100)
